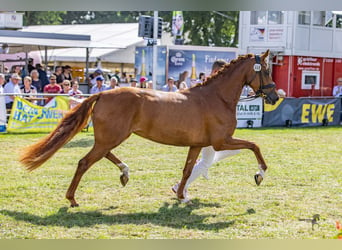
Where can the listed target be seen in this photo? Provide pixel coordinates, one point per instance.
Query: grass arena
(300, 197)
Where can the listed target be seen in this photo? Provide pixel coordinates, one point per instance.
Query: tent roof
(111, 35)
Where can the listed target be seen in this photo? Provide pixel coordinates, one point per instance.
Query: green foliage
(304, 179)
(205, 28)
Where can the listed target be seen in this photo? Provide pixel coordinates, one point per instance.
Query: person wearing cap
(170, 86)
(12, 87)
(143, 81)
(52, 87)
(134, 82)
(93, 76)
(99, 86)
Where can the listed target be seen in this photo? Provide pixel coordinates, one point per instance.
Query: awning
(51, 40)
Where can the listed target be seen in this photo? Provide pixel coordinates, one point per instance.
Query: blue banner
(303, 112)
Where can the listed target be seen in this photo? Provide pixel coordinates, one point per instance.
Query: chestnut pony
(197, 117)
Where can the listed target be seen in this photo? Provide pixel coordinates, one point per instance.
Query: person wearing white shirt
(337, 90)
(12, 87)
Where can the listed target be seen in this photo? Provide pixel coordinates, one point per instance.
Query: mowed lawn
(304, 179)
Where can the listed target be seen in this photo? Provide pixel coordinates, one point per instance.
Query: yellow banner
(28, 117)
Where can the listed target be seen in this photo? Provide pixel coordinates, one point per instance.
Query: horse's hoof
(124, 179)
(258, 179)
(185, 200)
(74, 205)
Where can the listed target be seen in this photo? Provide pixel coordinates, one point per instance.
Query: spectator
(182, 85)
(143, 81)
(337, 90)
(74, 91)
(99, 86)
(93, 76)
(2, 82)
(17, 69)
(52, 88)
(67, 73)
(12, 87)
(42, 75)
(117, 75)
(150, 85)
(123, 78)
(59, 75)
(113, 83)
(66, 87)
(170, 86)
(134, 82)
(30, 66)
(201, 77)
(36, 82)
(29, 88)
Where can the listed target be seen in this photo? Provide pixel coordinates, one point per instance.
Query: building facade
(306, 48)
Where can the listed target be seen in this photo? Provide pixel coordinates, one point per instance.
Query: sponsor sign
(302, 112)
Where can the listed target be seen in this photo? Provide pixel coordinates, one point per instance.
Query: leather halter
(257, 69)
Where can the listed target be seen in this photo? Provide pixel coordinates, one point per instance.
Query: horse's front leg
(189, 164)
(232, 144)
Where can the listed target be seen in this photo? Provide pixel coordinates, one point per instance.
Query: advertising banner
(302, 112)
(195, 62)
(144, 67)
(28, 117)
(249, 110)
(177, 23)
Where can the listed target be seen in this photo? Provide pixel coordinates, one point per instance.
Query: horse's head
(260, 80)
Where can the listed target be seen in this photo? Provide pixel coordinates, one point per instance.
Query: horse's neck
(232, 83)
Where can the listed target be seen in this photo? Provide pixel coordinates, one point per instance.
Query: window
(275, 17)
(304, 17)
(310, 78)
(339, 21)
(258, 17)
(318, 18)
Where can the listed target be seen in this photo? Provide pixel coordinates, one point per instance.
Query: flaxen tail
(75, 120)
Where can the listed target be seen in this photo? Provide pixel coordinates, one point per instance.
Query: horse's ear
(266, 54)
(265, 57)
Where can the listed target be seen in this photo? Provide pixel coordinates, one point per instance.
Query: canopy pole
(87, 80)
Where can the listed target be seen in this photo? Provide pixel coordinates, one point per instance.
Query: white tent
(113, 42)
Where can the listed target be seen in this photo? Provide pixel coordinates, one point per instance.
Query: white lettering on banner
(308, 61)
(249, 110)
(211, 59)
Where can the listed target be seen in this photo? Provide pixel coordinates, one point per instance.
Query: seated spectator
(143, 82)
(182, 85)
(170, 86)
(99, 86)
(93, 76)
(29, 88)
(52, 88)
(113, 83)
(337, 90)
(66, 86)
(134, 82)
(74, 91)
(12, 87)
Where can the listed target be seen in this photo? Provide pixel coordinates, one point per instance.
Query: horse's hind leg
(124, 177)
(95, 154)
(189, 164)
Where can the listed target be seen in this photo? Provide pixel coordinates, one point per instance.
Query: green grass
(304, 178)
